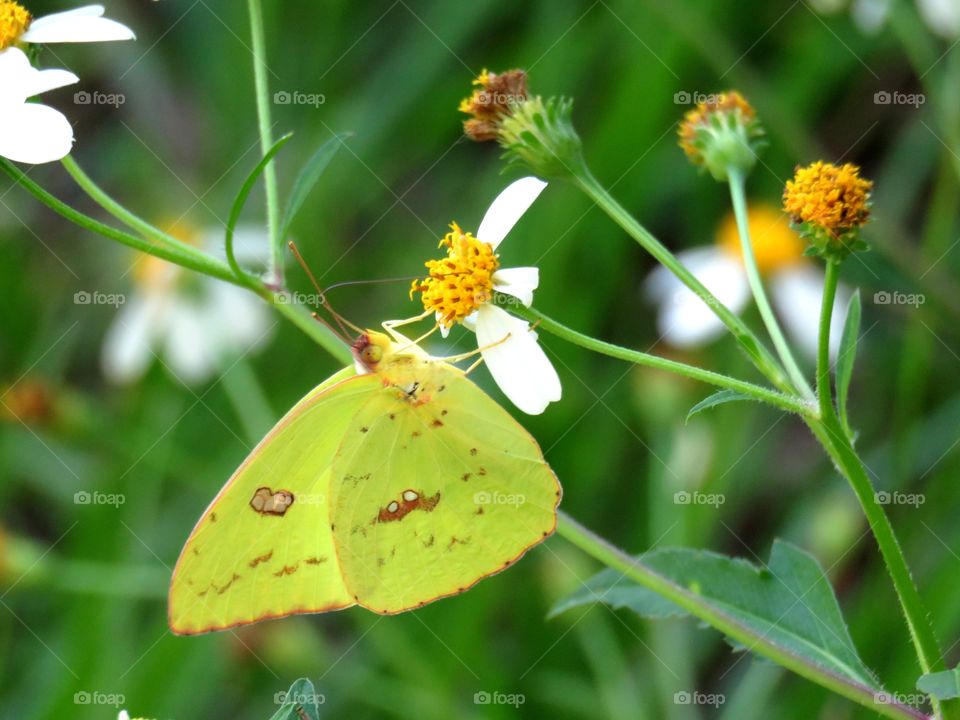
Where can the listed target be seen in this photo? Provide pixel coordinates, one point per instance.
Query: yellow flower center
(829, 197)
(153, 274)
(726, 103)
(14, 21)
(462, 281)
(775, 245)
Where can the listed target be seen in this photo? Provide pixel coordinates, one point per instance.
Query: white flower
(31, 132)
(464, 294)
(941, 16)
(795, 285)
(193, 329)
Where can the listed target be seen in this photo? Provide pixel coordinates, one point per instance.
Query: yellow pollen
(829, 197)
(153, 274)
(493, 98)
(730, 102)
(462, 281)
(775, 245)
(14, 21)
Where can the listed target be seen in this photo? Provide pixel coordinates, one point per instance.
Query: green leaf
(300, 702)
(307, 178)
(789, 602)
(941, 685)
(848, 354)
(718, 398)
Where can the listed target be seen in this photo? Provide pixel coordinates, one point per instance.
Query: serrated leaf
(300, 702)
(718, 398)
(788, 602)
(308, 177)
(941, 685)
(848, 354)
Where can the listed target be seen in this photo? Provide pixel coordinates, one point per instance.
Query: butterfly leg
(468, 355)
(391, 325)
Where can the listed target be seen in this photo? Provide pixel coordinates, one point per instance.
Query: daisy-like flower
(192, 323)
(460, 289)
(29, 132)
(796, 284)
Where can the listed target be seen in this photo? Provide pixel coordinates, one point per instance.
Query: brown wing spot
(429, 543)
(316, 560)
(196, 552)
(466, 476)
(473, 451)
(393, 416)
(410, 500)
(213, 517)
(224, 588)
(479, 511)
(261, 559)
(454, 540)
(441, 388)
(437, 423)
(267, 502)
(364, 429)
(381, 562)
(415, 433)
(287, 570)
(481, 472)
(444, 412)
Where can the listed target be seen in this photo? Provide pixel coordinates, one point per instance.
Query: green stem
(760, 356)
(262, 87)
(831, 434)
(738, 197)
(636, 570)
(187, 257)
(773, 397)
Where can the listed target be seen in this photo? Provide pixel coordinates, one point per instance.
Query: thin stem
(773, 397)
(738, 197)
(638, 571)
(824, 391)
(262, 87)
(760, 356)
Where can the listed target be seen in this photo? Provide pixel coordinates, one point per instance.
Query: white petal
(82, 25)
(191, 343)
(19, 80)
(508, 208)
(518, 364)
(126, 352)
(519, 282)
(797, 293)
(243, 320)
(870, 15)
(943, 16)
(36, 134)
(469, 322)
(251, 244)
(684, 320)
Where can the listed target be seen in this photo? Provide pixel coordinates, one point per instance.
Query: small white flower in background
(941, 16)
(795, 284)
(460, 289)
(193, 324)
(29, 132)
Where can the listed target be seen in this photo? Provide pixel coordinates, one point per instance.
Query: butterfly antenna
(342, 322)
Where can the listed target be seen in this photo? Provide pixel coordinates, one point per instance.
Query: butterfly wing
(263, 548)
(434, 488)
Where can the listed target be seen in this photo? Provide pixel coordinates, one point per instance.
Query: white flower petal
(519, 282)
(32, 133)
(942, 16)
(470, 322)
(243, 320)
(870, 15)
(191, 343)
(508, 208)
(251, 244)
(797, 293)
(684, 320)
(82, 25)
(126, 352)
(19, 80)
(518, 364)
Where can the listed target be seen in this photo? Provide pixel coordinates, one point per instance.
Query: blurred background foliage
(82, 586)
